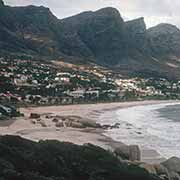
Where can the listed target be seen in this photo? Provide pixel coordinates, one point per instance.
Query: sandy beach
(90, 112)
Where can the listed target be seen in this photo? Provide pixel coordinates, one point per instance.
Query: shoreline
(24, 127)
(91, 109)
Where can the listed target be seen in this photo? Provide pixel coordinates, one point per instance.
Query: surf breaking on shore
(146, 126)
(25, 128)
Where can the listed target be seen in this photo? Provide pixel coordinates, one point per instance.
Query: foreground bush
(21, 159)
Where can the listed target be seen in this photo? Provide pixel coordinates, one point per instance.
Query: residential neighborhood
(27, 82)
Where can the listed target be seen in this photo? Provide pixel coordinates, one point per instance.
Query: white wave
(144, 126)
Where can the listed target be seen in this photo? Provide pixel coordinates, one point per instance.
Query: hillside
(53, 160)
(102, 37)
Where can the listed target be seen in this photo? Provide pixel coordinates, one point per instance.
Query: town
(30, 82)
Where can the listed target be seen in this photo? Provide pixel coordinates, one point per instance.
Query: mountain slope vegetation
(101, 37)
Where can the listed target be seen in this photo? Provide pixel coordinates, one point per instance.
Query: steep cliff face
(127, 47)
(100, 32)
(34, 27)
(106, 37)
(101, 36)
(136, 40)
(136, 34)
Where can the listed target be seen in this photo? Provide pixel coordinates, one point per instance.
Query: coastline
(89, 112)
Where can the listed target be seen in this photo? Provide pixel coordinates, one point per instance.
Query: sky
(154, 11)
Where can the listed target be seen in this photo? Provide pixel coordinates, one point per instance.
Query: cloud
(154, 11)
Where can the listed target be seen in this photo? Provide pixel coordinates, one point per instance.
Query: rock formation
(52, 160)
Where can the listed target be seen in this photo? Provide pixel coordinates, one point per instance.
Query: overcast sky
(154, 11)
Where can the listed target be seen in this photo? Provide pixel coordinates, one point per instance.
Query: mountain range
(101, 37)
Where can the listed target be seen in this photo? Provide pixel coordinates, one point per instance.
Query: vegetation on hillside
(21, 159)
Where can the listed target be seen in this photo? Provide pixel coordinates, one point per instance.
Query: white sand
(25, 128)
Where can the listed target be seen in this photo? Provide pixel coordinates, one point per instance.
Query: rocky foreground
(22, 159)
(44, 156)
(53, 160)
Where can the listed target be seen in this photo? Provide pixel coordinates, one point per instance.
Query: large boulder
(162, 171)
(59, 124)
(131, 153)
(42, 123)
(90, 123)
(68, 123)
(122, 152)
(77, 125)
(34, 116)
(156, 169)
(174, 176)
(173, 164)
(135, 153)
(55, 120)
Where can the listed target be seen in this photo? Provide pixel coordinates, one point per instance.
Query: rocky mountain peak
(100, 36)
(136, 25)
(104, 13)
(109, 12)
(163, 28)
(37, 9)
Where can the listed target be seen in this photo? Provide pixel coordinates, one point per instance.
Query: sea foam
(145, 126)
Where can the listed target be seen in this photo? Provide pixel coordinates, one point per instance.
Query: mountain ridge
(101, 36)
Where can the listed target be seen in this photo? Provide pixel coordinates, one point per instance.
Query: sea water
(150, 126)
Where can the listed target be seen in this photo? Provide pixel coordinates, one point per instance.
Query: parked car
(6, 111)
(14, 112)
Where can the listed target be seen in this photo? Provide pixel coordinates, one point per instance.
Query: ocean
(151, 127)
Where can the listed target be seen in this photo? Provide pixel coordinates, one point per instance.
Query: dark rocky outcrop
(21, 159)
